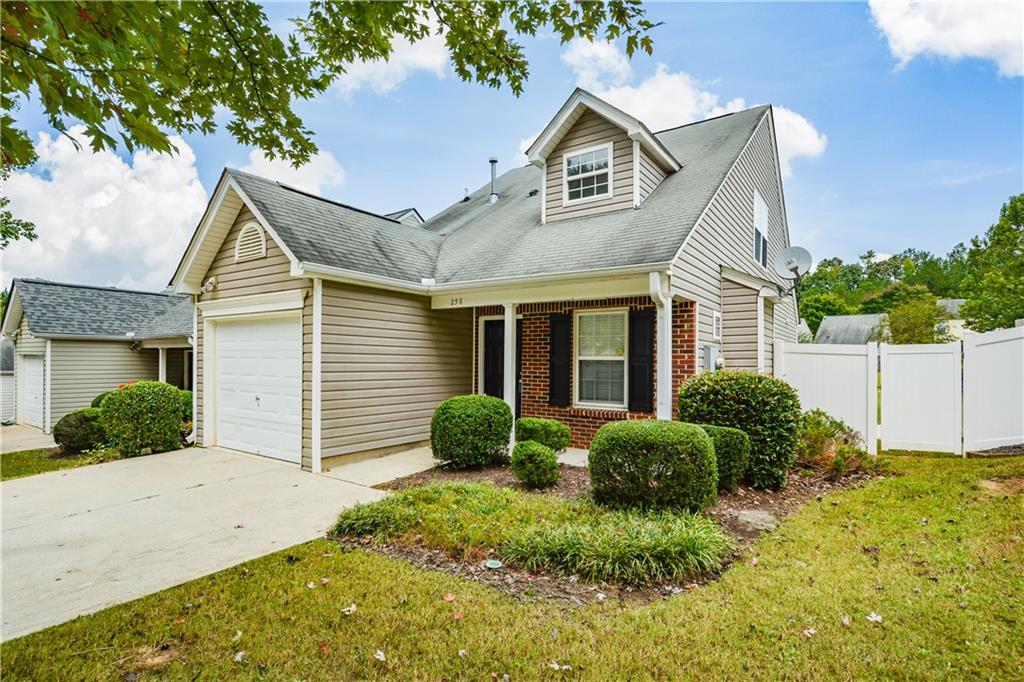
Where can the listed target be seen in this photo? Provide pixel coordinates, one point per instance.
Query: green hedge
(96, 402)
(535, 464)
(80, 430)
(471, 431)
(653, 464)
(766, 409)
(550, 432)
(144, 415)
(732, 453)
(186, 405)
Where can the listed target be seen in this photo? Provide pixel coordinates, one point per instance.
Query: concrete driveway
(79, 540)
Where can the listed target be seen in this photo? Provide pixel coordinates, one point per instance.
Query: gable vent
(251, 244)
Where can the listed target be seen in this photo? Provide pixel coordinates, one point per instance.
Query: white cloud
(383, 76)
(954, 30)
(102, 220)
(322, 171)
(673, 98)
(597, 64)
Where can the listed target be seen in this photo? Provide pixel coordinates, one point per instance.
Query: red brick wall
(586, 421)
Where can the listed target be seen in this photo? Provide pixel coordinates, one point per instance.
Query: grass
(29, 462)
(938, 558)
(543, 533)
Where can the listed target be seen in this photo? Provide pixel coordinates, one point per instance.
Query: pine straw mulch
(570, 591)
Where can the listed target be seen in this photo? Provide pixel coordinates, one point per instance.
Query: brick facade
(586, 421)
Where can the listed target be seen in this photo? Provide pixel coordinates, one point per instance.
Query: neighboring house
(409, 216)
(6, 381)
(857, 329)
(614, 259)
(73, 342)
(954, 327)
(803, 332)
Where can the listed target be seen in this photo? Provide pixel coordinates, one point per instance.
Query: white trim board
(290, 299)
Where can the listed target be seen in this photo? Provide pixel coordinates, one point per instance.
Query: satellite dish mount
(792, 264)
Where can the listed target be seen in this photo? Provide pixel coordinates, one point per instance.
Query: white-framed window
(587, 174)
(600, 341)
(760, 230)
(716, 325)
(251, 243)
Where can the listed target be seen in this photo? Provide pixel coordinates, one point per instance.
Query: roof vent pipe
(494, 174)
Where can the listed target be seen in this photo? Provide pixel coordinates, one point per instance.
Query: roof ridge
(312, 195)
(72, 285)
(712, 118)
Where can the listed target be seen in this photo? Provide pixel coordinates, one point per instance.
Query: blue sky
(885, 154)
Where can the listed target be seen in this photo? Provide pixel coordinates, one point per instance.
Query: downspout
(661, 294)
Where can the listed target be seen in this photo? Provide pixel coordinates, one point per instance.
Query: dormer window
(587, 174)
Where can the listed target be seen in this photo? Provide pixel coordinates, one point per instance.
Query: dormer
(596, 158)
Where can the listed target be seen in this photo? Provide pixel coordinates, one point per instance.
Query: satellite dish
(793, 263)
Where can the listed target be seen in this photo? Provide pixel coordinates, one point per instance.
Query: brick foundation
(586, 421)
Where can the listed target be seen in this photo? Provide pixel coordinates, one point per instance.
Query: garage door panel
(259, 387)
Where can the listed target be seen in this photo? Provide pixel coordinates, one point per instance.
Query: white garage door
(259, 387)
(32, 392)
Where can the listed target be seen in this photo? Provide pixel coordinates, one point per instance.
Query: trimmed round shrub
(732, 452)
(145, 415)
(549, 432)
(471, 431)
(535, 464)
(186, 405)
(765, 408)
(96, 402)
(653, 464)
(80, 430)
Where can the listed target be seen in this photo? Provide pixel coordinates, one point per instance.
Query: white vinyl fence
(943, 397)
(840, 379)
(994, 389)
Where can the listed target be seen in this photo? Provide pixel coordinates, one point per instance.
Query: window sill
(600, 407)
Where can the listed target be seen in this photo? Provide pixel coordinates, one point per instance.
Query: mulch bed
(575, 482)
(1002, 451)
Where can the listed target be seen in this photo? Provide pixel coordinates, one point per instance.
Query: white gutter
(661, 293)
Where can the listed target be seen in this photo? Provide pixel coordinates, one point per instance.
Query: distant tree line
(907, 286)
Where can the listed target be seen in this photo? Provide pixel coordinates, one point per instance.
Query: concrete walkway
(79, 540)
(20, 437)
(379, 470)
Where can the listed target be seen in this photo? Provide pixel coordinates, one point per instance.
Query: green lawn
(937, 557)
(29, 462)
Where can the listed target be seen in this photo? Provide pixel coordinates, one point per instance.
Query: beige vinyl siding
(26, 344)
(175, 366)
(591, 130)
(739, 326)
(387, 361)
(259, 276)
(651, 175)
(769, 335)
(7, 382)
(81, 370)
(724, 236)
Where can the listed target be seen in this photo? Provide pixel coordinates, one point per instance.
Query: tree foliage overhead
(135, 73)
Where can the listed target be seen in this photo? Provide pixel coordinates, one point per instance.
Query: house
(857, 329)
(954, 326)
(616, 260)
(73, 342)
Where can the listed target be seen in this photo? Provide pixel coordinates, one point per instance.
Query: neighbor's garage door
(32, 391)
(259, 387)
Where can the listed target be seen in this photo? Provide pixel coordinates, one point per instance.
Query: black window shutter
(641, 360)
(559, 359)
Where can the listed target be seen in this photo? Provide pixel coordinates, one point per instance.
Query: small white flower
(463, 653)
(349, 610)
(810, 632)
(874, 617)
(239, 657)
(311, 584)
(554, 665)
(379, 655)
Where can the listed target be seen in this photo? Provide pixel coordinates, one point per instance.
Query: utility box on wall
(712, 359)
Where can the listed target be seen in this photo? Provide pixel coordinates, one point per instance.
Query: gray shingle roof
(325, 232)
(475, 240)
(847, 328)
(56, 309)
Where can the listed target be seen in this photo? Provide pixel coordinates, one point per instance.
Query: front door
(494, 363)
